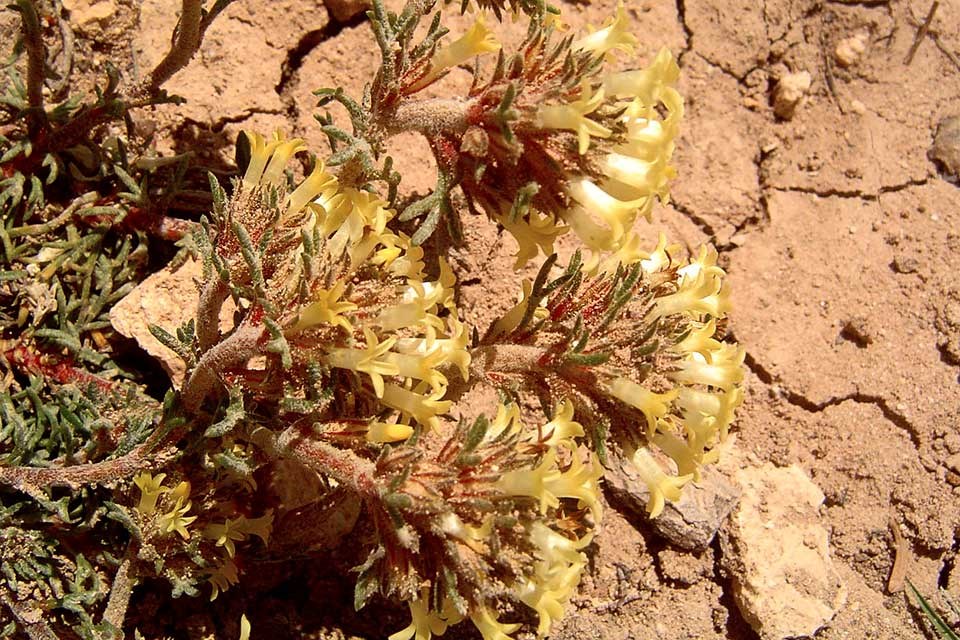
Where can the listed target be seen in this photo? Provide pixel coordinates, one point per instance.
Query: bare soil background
(840, 235)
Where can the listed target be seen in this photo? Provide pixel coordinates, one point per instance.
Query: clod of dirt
(685, 568)
(89, 16)
(158, 300)
(857, 330)
(343, 10)
(905, 264)
(946, 146)
(789, 93)
(947, 323)
(849, 50)
(690, 523)
(776, 550)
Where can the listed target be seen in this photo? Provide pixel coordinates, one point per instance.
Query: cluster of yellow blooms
(558, 559)
(225, 534)
(370, 308)
(401, 335)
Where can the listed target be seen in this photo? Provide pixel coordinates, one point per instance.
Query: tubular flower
(424, 409)
(328, 308)
(151, 488)
(653, 405)
(489, 627)
(613, 36)
(238, 529)
(537, 232)
(573, 116)
(476, 41)
(723, 368)
(562, 429)
(635, 171)
(556, 575)
(426, 623)
(224, 576)
(662, 486)
(547, 483)
(701, 291)
(370, 360)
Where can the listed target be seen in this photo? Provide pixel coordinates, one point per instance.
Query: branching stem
(341, 464)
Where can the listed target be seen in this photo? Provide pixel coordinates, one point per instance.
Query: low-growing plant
(341, 380)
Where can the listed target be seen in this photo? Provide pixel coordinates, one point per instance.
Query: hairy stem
(341, 464)
(212, 297)
(34, 626)
(431, 117)
(120, 591)
(185, 44)
(36, 59)
(505, 359)
(234, 351)
(27, 479)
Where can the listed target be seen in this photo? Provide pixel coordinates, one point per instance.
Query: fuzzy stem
(235, 350)
(36, 58)
(28, 479)
(36, 629)
(505, 359)
(341, 464)
(430, 117)
(185, 45)
(212, 297)
(120, 591)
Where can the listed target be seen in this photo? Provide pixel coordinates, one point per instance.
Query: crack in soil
(799, 400)
(858, 194)
(687, 32)
(304, 47)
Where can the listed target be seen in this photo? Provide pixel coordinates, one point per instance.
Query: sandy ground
(841, 239)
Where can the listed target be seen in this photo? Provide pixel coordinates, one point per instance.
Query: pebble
(849, 50)
(906, 264)
(946, 145)
(789, 93)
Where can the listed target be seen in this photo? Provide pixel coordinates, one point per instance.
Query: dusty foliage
(348, 356)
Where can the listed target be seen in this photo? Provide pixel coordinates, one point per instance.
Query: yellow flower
(223, 577)
(476, 41)
(557, 571)
(268, 159)
(176, 519)
(424, 623)
(370, 360)
(239, 529)
(653, 405)
(328, 307)
(423, 409)
(662, 486)
(489, 627)
(562, 429)
(151, 488)
(388, 431)
(723, 369)
(612, 36)
(573, 116)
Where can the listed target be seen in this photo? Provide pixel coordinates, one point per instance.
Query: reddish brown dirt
(841, 240)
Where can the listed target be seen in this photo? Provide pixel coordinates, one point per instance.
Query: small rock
(690, 523)
(946, 146)
(789, 93)
(849, 50)
(953, 463)
(905, 264)
(88, 15)
(858, 107)
(777, 551)
(857, 330)
(343, 10)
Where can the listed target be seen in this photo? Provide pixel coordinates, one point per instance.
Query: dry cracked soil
(839, 231)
